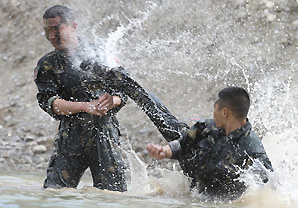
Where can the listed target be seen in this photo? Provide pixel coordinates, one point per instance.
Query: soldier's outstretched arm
(97, 76)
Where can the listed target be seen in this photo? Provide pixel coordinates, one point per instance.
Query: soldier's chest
(67, 76)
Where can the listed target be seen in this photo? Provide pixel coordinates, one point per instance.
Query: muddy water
(26, 191)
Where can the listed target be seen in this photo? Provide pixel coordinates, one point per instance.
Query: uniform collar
(245, 129)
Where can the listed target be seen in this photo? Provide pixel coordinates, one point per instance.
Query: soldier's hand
(92, 108)
(156, 151)
(106, 102)
(102, 105)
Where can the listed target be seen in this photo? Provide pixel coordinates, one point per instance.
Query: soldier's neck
(234, 124)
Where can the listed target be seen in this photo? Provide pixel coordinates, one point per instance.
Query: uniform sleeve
(262, 170)
(116, 92)
(263, 158)
(181, 146)
(257, 154)
(256, 150)
(47, 88)
(123, 102)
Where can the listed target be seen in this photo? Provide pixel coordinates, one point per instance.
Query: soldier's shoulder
(197, 127)
(252, 142)
(251, 137)
(47, 62)
(47, 59)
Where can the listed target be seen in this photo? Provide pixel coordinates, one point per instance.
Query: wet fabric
(96, 76)
(214, 161)
(81, 145)
(83, 141)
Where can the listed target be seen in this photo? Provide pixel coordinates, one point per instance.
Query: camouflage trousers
(80, 146)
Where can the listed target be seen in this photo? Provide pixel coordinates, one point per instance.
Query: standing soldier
(88, 134)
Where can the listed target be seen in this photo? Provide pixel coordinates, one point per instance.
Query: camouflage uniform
(97, 76)
(214, 160)
(83, 140)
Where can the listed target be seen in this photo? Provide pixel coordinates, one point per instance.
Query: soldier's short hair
(236, 99)
(61, 11)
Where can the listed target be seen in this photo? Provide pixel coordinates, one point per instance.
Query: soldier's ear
(225, 112)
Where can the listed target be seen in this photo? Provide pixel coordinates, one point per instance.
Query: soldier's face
(59, 34)
(218, 116)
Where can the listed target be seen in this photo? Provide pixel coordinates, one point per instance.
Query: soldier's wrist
(83, 107)
(168, 151)
(116, 101)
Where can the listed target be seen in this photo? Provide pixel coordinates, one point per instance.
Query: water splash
(185, 52)
(170, 183)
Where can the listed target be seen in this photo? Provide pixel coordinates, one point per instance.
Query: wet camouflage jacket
(59, 76)
(83, 140)
(213, 160)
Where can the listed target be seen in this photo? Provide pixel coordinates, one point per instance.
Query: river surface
(169, 189)
(25, 190)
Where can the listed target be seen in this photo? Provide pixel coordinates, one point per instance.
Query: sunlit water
(185, 52)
